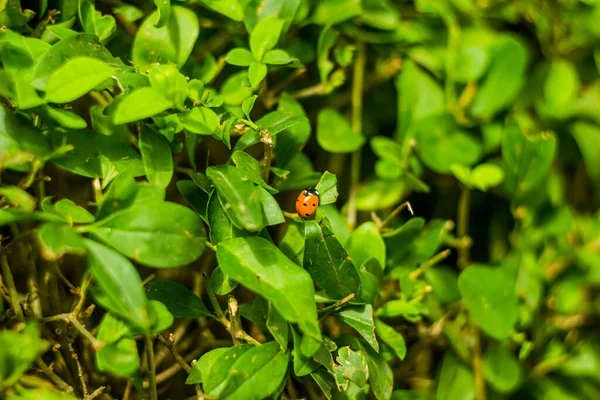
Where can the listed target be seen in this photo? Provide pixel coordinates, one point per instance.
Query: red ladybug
(307, 203)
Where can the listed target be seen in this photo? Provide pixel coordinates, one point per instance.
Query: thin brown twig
(337, 305)
(62, 385)
(84, 388)
(393, 214)
(170, 344)
(12, 289)
(70, 318)
(438, 258)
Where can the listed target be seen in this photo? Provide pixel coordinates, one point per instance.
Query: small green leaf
(256, 73)
(157, 157)
(239, 197)
(392, 338)
(230, 8)
(485, 176)
(120, 283)
(328, 263)
(277, 121)
(63, 118)
(120, 358)
(261, 267)
(164, 12)
(490, 299)
(196, 197)
(72, 212)
(303, 365)
(561, 89)
(381, 377)
(240, 57)
(250, 169)
(75, 78)
(327, 188)
(456, 380)
(366, 242)
(501, 369)
(56, 240)
(178, 299)
(214, 380)
(360, 317)
(94, 22)
(265, 36)
(202, 368)
(143, 103)
(221, 283)
(351, 366)
(19, 351)
(334, 133)
(277, 57)
(247, 106)
(335, 11)
(17, 197)
(200, 120)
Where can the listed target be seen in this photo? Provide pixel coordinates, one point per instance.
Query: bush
(152, 154)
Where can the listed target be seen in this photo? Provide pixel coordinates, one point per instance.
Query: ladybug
(307, 203)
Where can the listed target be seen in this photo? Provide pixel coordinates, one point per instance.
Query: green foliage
(151, 154)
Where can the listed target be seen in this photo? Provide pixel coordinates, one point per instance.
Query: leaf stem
(357, 108)
(70, 318)
(12, 289)
(393, 214)
(328, 310)
(151, 367)
(438, 258)
(462, 229)
(170, 343)
(478, 367)
(267, 139)
(62, 385)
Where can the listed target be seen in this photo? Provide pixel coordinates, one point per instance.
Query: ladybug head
(311, 191)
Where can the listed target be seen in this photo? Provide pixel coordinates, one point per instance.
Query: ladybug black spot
(304, 204)
(307, 214)
(314, 204)
(297, 201)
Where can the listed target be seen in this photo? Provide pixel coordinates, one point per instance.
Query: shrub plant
(151, 154)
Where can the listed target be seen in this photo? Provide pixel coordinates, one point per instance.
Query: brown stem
(462, 229)
(70, 318)
(151, 367)
(62, 385)
(170, 343)
(12, 289)
(393, 214)
(478, 368)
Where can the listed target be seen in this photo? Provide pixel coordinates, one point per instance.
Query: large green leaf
(180, 301)
(172, 42)
(75, 78)
(260, 266)
(157, 157)
(328, 262)
(162, 235)
(360, 317)
(334, 133)
(366, 242)
(142, 103)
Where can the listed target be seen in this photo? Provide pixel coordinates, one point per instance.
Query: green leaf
(72, 212)
(261, 371)
(129, 12)
(214, 380)
(291, 140)
(261, 267)
(94, 22)
(200, 120)
(42, 394)
(121, 194)
(221, 283)
(19, 351)
(120, 283)
(75, 78)
(381, 377)
(251, 169)
(164, 12)
(366, 242)
(170, 83)
(56, 240)
(221, 226)
(327, 188)
(456, 381)
(351, 366)
(240, 57)
(143, 103)
(332, 12)
(334, 133)
(392, 338)
(62, 117)
(229, 8)
(247, 106)
(17, 197)
(201, 369)
(173, 237)
(587, 136)
(234, 91)
(327, 262)
(277, 57)
(303, 365)
(360, 317)
(178, 299)
(265, 36)
(196, 197)
(271, 212)
(504, 79)
(490, 299)
(278, 326)
(120, 358)
(172, 42)
(277, 121)
(485, 176)
(238, 197)
(157, 157)
(501, 369)
(256, 73)
(561, 89)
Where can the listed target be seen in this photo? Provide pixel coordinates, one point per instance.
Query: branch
(151, 367)
(68, 317)
(170, 343)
